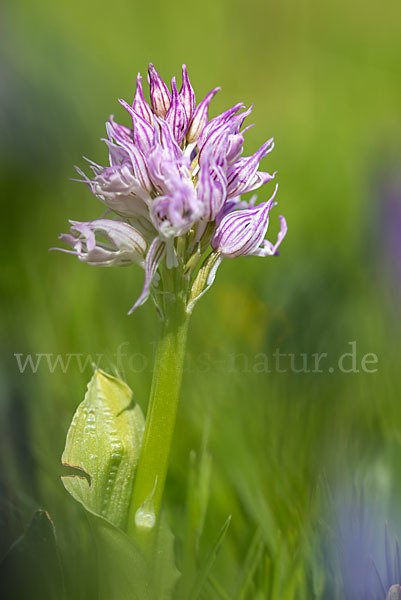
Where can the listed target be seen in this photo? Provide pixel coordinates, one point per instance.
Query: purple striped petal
(217, 146)
(238, 120)
(139, 104)
(135, 156)
(211, 189)
(242, 232)
(168, 168)
(235, 203)
(121, 130)
(200, 117)
(160, 96)
(187, 95)
(261, 177)
(117, 154)
(167, 140)
(234, 149)
(242, 175)
(216, 123)
(162, 169)
(119, 190)
(176, 115)
(142, 130)
(154, 257)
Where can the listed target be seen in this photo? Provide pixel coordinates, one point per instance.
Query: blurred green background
(325, 81)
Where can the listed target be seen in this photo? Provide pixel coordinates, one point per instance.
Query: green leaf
(165, 572)
(104, 441)
(205, 569)
(31, 568)
(123, 572)
(252, 560)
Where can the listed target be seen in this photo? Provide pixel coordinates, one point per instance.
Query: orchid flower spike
(172, 189)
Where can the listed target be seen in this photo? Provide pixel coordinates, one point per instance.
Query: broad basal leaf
(104, 441)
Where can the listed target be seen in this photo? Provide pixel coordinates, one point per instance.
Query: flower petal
(176, 115)
(242, 175)
(217, 122)
(200, 117)
(174, 214)
(269, 249)
(153, 258)
(119, 190)
(240, 233)
(121, 130)
(135, 156)
(142, 130)
(211, 189)
(234, 148)
(120, 244)
(187, 95)
(139, 104)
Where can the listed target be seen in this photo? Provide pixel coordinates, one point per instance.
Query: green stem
(153, 461)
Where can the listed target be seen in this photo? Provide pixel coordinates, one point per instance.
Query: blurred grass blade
(164, 571)
(218, 590)
(198, 495)
(209, 561)
(252, 560)
(197, 499)
(32, 568)
(104, 441)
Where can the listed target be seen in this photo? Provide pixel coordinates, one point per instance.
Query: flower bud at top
(187, 94)
(160, 96)
(176, 115)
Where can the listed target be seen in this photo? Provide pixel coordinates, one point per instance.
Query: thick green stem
(153, 462)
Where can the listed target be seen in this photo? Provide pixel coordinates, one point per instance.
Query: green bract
(104, 441)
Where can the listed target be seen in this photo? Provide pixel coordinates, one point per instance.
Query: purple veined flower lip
(175, 213)
(120, 244)
(174, 171)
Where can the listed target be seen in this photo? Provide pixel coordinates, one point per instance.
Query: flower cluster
(173, 188)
